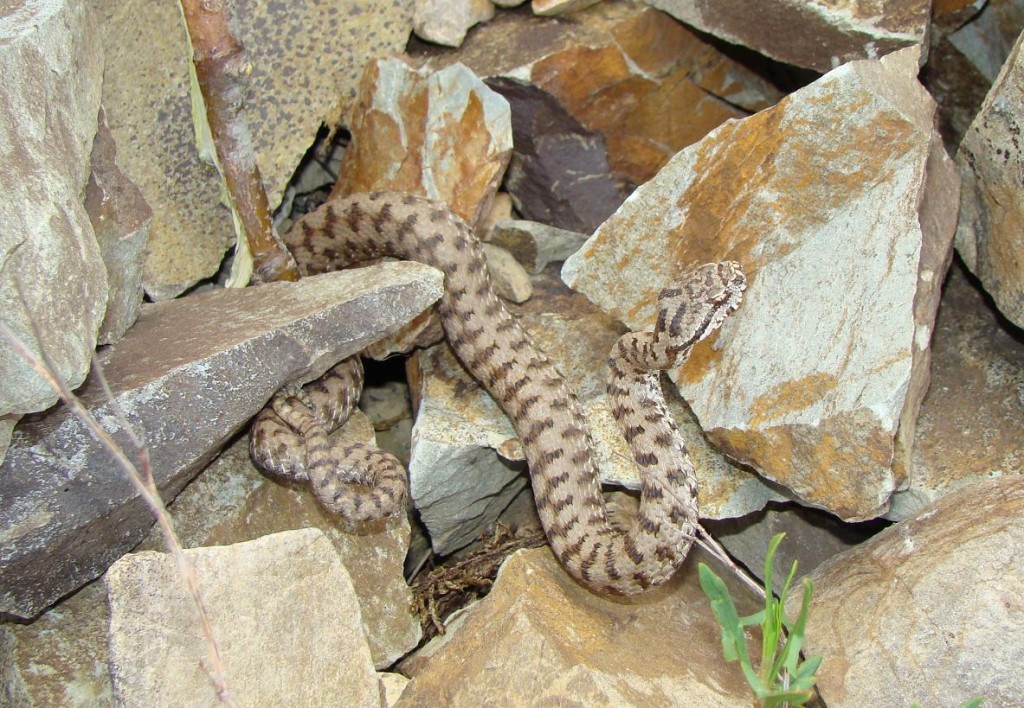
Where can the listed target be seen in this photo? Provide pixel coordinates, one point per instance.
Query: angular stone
(969, 426)
(816, 380)
(559, 7)
(282, 609)
(817, 34)
(231, 502)
(941, 593)
(510, 279)
(61, 658)
(188, 376)
(442, 135)
(644, 83)
(53, 70)
(146, 95)
(534, 244)
(446, 22)
(990, 234)
(539, 638)
(467, 463)
(121, 219)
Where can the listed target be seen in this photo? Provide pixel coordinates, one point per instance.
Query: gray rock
(189, 375)
(121, 218)
(990, 234)
(534, 244)
(52, 66)
(929, 611)
(447, 21)
(510, 279)
(817, 34)
(817, 379)
(281, 607)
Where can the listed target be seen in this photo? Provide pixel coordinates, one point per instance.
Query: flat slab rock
(539, 638)
(189, 375)
(281, 607)
(929, 611)
(817, 379)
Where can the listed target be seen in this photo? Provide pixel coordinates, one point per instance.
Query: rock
(146, 95)
(816, 34)
(61, 658)
(53, 70)
(446, 22)
(816, 380)
(510, 279)
(501, 210)
(121, 219)
(534, 244)
(406, 127)
(969, 427)
(231, 502)
(539, 638)
(392, 685)
(990, 234)
(636, 77)
(559, 173)
(466, 462)
(939, 593)
(559, 7)
(189, 374)
(282, 609)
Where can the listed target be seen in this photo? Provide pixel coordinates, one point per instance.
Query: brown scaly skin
(545, 412)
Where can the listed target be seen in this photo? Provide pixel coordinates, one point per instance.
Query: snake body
(545, 412)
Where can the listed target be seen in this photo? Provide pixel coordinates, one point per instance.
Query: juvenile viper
(545, 412)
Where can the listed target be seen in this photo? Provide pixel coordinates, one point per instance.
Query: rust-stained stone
(970, 422)
(646, 83)
(282, 607)
(121, 219)
(928, 611)
(817, 34)
(990, 234)
(539, 638)
(189, 374)
(467, 462)
(824, 365)
(306, 59)
(442, 135)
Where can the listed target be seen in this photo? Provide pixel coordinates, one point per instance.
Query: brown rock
(794, 196)
(817, 34)
(283, 611)
(938, 593)
(53, 71)
(189, 375)
(121, 219)
(990, 234)
(146, 95)
(540, 639)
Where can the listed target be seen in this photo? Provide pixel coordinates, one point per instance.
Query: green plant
(781, 679)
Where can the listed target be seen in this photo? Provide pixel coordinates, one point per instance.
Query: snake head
(690, 312)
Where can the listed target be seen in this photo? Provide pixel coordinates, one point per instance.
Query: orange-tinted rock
(824, 365)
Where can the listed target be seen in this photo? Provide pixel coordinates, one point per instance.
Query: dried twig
(218, 95)
(143, 482)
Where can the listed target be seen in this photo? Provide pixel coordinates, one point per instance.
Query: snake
(360, 482)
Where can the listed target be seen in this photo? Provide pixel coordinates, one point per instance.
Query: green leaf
(734, 644)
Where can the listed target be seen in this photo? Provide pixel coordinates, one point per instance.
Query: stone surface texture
(282, 609)
(970, 422)
(446, 22)
(121, 219)
(52, 69)
(146, 95)
(559, 7)
(816, 380)
(188, 377)
(540, 639)
(466, 462)
(990, 234)
(928, 611)
(817, 34)
(535, 244)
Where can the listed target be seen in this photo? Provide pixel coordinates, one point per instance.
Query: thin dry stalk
(220, 70)
(143, 483)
